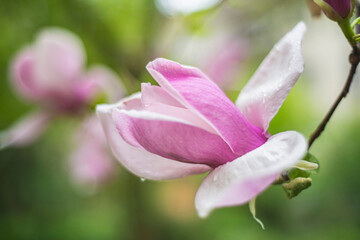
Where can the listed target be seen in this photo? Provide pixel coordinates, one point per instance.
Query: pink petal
(190, 87)
(223, 66)
(60, 57)
(172, 138)
(22, 75)
(26, 130)
(91, 162)
(154, 94)
(157, 100)
(101, 80)
(266, 91)
(241, 180)
(139, 161)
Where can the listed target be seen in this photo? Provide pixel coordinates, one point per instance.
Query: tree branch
(354, 59)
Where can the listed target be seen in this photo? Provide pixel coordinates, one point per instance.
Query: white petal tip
(203, 213)
(102, 108)
(301, 26)
(152, 64)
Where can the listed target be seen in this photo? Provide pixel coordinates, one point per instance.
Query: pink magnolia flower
(51, 74)
(187, 126)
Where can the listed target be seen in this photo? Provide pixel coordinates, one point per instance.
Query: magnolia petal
(172, 138)
(196, 92)
(60, 57)
(137, 160)
(241, 180)
(154, 94)
(106, 81)
(157, 100)
(266, 91)
(22, 75)
(26, 130)
(91, 162)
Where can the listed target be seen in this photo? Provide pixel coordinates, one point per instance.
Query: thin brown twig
(354, 59)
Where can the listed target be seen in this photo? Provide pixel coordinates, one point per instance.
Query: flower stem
(348, 31)
(354, 59)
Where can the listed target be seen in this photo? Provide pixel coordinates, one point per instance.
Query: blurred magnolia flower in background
(51, 74)
(220, 56)
(226, 63)
(188, 126)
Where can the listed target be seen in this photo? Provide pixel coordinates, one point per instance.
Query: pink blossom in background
(223, 66)
(51, 74)
(221, 57)
(91, 162)
(26, 130)
(187, 125)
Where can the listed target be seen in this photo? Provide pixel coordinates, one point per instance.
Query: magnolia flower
(187, 125)
(51, 74)
(337, 10)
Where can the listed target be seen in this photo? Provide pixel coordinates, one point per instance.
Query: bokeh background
(40, 200)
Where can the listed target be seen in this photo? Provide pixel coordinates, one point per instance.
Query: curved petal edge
(137, 160)
(241, 180)
(25, 130)
(268, 88)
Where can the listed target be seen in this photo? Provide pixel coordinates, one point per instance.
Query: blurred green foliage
(39, 201)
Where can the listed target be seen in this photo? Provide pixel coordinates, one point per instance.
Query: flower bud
(337, 10)
(293, 188)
